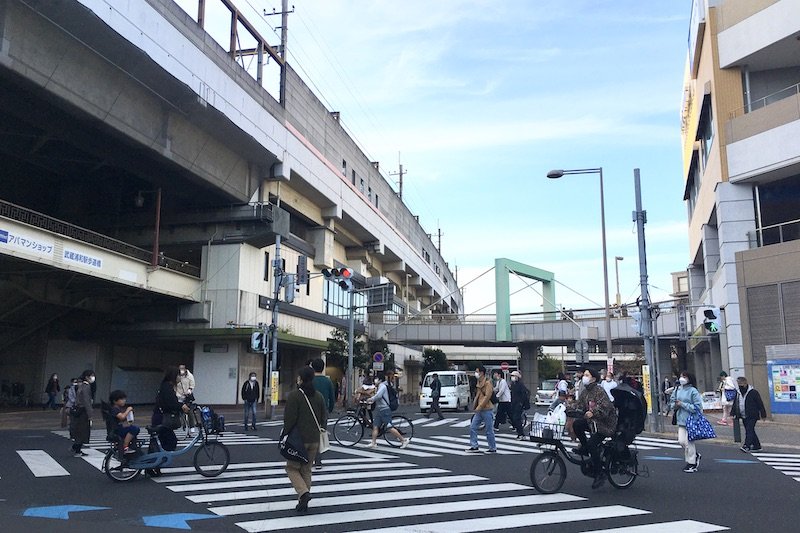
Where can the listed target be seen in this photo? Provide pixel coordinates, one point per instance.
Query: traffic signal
(341, 275)
(257, 341)
(712, 320)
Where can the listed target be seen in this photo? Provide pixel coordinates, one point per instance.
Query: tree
(549, 367)
(433, 359)
(336, 353)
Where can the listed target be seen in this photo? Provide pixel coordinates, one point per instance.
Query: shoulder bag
(698, 427)
(291, 445)
(324, 440)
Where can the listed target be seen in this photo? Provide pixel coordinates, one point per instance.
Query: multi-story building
(740, 125)
(153, 174)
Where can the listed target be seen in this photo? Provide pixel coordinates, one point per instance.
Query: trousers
(300, 473)
(750, 437)
(689, 449)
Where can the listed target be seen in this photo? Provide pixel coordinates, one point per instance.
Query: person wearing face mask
(599, 419)
(520, 397)
(686, 400)
(82, 415)
(483, 412)
(750, 408)
(609, 383)
(251, 392)
(184, 389)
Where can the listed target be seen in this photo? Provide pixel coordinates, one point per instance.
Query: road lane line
(281, 471)
(684, 526)
(41, 464)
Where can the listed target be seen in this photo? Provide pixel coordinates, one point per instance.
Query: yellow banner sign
(273, 384)
(646, 385)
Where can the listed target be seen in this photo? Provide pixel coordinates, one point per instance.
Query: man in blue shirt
(323, 384)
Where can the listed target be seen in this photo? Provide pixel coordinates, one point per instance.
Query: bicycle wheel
(211, 459)
(348, 430)
(404, 426)
(622, 469)
(548, 473)
(116, 469)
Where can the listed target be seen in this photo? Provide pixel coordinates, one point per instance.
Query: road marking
(443, 447)
(684, 526)
(60, 512)
(194, 487)
(441, 422)
(520, 520)
(41, 464)
(363, 515)
(463, 424)
(372, 497)
(482, 441)
(268, 464)
(281, 471)
(331, 487)
(360, 452)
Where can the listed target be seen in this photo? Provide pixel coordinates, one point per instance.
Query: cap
(516, 373)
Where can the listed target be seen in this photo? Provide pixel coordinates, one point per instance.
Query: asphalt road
(431, 486)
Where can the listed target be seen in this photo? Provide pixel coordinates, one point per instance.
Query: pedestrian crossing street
(410, 498)
(786, 463)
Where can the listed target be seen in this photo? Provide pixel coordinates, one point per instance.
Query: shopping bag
(699, 428)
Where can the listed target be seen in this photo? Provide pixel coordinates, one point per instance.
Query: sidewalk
(771, 434)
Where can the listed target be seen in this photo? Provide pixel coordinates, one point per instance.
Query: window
(693, 186)
(705, 131)
(376, 201)
(344, 168)
(426, 256)
(267, 266)
(436, 268)
(369, 194)
(683, 284)
(336, 301)
(353, 174)
(362, 185)
(308, 283)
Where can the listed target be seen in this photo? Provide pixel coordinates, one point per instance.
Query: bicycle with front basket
(348, 430)
(211, 457)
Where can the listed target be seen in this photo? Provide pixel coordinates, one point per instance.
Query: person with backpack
(483, 412)
(599, 420)
(520, 401)
(385, 401)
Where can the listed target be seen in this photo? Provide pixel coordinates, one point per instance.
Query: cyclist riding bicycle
(383, 413)
(599, 419)
(167, 405)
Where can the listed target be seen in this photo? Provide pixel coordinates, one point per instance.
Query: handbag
(292, 447)
(699, 428)
(730, 395)
(674, 409)
(171, 420)
(324, 440)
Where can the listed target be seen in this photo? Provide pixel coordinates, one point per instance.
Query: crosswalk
(353, 494)
(97, 439)
(786, 463)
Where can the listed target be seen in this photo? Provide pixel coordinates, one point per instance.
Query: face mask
(252, 378)
(513, 378)
(743, 389)
(477, 375)
(586, 380)
(683, 381)
(91, 379)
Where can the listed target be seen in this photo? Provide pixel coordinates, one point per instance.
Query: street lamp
(555, 174)
(616, 267)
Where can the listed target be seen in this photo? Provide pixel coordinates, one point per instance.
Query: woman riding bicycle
(167, 403)
(383, 414)
(599, 419)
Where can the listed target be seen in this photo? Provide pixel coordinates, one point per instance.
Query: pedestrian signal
(711, 320)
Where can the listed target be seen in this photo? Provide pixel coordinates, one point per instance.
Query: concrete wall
(217, 374)
(768, 140)
(762, 24)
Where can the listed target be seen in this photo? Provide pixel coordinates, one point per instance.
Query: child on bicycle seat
(123, 416)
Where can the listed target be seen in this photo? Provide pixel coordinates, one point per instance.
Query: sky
(482, 98)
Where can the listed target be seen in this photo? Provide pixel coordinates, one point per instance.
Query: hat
(516, 373)
(723, 374)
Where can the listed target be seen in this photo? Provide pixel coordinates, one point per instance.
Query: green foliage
(549, 367)
(433, 359)
(336, 353)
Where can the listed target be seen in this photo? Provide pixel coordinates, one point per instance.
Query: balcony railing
(48, 223)
(775, 234)
(767, 100)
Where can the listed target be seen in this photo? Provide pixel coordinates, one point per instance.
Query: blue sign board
(784, 386)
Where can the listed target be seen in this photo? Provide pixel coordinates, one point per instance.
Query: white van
(455, 390)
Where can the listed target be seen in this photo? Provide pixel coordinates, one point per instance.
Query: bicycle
(210, 459)
(548, 471)
(348, 430)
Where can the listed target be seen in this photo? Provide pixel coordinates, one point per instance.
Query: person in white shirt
(503, 394)
(609, 383)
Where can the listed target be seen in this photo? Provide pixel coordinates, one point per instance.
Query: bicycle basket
(546, 430)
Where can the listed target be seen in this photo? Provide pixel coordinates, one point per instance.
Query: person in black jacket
(250, 394)
(749, 407)
(436, 393)
(167, 402)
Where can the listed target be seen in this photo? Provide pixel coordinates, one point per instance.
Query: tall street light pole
(616, 267)
(555, 174)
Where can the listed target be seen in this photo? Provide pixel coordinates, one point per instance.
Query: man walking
(520, 401)
(323, 384)
(251, 392)
(436, 393)
(750, 408)
(503, 399)
(483, 412)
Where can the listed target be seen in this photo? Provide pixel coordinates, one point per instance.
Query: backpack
(393, 402)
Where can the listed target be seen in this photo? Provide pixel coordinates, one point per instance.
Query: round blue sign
(377, 357)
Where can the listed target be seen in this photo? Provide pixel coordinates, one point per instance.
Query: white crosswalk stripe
(97, 439)
(786, 463)
(412, 499)
(41, 464)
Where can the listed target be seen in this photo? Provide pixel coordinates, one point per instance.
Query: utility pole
(284, 13)
(439, 234)
(401, 173)
(640, 217)
(273, 328)
(351, 380)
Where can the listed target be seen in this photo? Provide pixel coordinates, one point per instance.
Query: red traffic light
(346, 273)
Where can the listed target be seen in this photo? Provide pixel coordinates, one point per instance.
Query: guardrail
(775, 234)
(765, 101)
(45, 222)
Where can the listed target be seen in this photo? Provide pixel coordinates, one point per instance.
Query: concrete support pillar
(322, 240)
(710, 252)
(529, 366)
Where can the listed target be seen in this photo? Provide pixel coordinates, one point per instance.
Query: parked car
(455, 390)
(547, 392)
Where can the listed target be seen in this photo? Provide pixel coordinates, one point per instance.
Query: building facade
(740, 120)
(153, 178)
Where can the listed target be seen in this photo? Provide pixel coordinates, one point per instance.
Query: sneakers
(372, 445)
(491, 451)
(302, 504)
(473, 449)
(317, 468)
(405, 443)
(79, 454)
(690, 469)
(755, 449)
(746, 448)
(697, 462)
